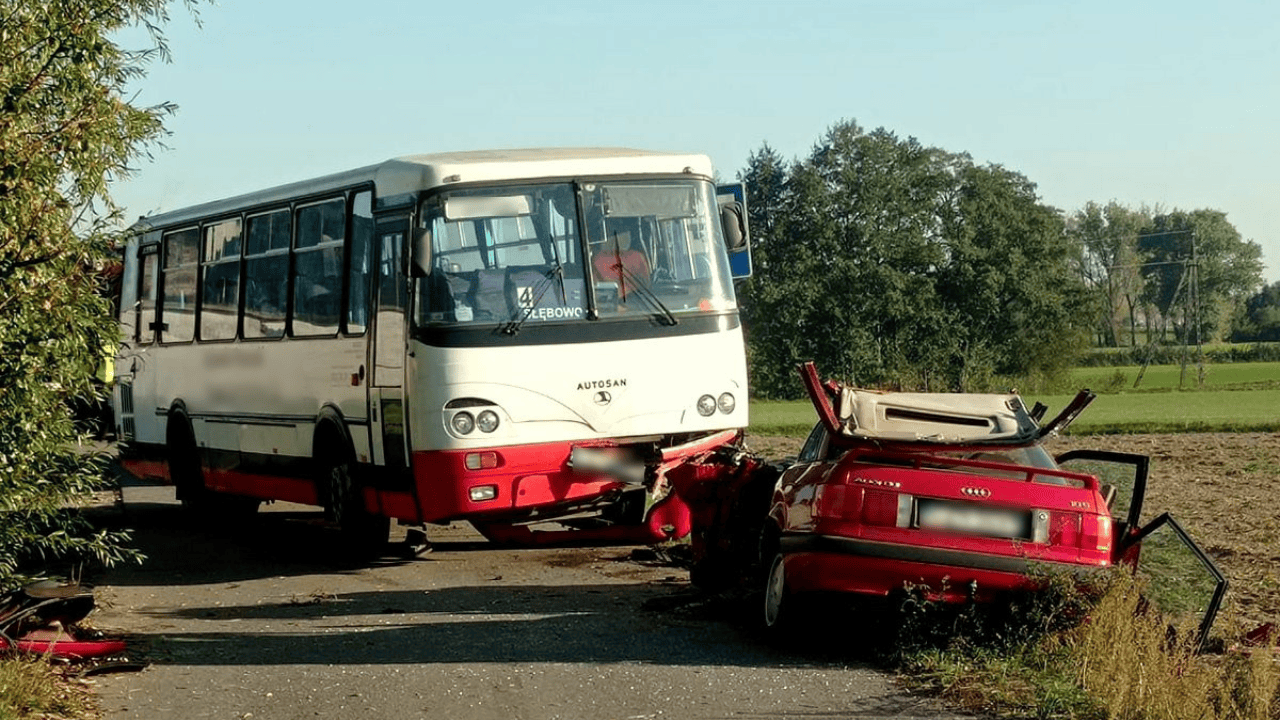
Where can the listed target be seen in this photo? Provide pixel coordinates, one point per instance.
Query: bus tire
(364, 533)
(185, 471)
(187, 475)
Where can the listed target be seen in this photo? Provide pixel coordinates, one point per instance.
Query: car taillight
(880, 508)
(1064, 529)
(829, 500)
(1097, 534)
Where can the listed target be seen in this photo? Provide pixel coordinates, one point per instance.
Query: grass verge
(1084, 653)
(32, 688)
(1241, 397)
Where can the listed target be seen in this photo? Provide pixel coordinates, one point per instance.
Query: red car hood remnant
(947, 418)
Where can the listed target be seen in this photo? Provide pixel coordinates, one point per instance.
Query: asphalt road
(256, 622)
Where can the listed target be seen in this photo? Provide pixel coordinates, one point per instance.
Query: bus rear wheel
(184, 468)
(364, 533)
(187, 475)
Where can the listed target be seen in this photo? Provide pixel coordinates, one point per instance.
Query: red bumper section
(844, 565)
(498, 488)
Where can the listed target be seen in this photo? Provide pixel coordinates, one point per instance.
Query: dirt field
(1222, 487)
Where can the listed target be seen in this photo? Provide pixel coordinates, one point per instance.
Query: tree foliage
(899, 265)
(1111, 264)
(66, 131)
(1227, 270)
(1259, 319)
(1162, 270)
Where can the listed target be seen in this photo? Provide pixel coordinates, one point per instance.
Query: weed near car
(31, 688)
(1081, 651)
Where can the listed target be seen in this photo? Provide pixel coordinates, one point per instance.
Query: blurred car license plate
(972, 519)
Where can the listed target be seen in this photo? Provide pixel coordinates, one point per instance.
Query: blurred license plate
(972, 519)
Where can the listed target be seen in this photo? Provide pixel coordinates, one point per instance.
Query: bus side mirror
(732, 200)
(735, 226)
(420, 264)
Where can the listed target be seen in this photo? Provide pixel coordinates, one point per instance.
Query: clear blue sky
(1172, 103)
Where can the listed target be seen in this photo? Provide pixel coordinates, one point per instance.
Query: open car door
(1181, 580)
(1123, 477)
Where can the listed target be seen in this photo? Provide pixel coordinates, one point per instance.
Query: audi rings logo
(976, 492)
(603, 398)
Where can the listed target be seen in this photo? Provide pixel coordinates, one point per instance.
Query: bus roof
(412, 173)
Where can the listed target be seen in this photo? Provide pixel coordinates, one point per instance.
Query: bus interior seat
(320, 304)
(489, 295)
(458, 287)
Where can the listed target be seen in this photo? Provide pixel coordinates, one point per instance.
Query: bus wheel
(184, 468)
(188, 479)
(364, 533)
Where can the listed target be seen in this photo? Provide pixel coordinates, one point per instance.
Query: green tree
(895, 264)
(1106, 237)
(1019, 309)
(765, 292)
(66, 132)
(1198, 266)
(1259, 319)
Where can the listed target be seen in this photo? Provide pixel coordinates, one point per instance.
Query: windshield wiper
(669, 317)
(555, 272)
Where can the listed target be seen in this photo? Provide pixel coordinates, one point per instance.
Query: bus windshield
(553, 252)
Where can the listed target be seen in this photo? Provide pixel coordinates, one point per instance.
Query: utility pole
(1195, 293)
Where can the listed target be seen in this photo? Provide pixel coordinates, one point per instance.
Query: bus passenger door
(386, 387)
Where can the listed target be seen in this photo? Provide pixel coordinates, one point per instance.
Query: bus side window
(150, 260)
(266, 272)
(359, 263)
(178, 310)
(317, 259)
(220, 279)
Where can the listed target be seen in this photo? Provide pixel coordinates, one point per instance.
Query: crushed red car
(957, 495)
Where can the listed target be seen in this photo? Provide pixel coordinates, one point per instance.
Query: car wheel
(775, 595)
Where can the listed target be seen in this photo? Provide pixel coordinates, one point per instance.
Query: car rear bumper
(850, 565)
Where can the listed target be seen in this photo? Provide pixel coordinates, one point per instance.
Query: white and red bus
(505, 337)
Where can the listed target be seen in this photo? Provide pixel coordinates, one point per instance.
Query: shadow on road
(615, 621)
(291, 542)
(500, 624)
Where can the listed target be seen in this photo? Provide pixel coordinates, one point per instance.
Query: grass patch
(31, 688)
(1238, 397)
(793, 418)
(1173, 412)
(1101, 651)
(1164, 378)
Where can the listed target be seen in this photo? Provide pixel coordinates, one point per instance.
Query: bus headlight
(487, 421)
(463, 423)
(726, 403)
(706, 406)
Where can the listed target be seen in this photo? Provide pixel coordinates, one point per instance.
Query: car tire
(775, 605)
